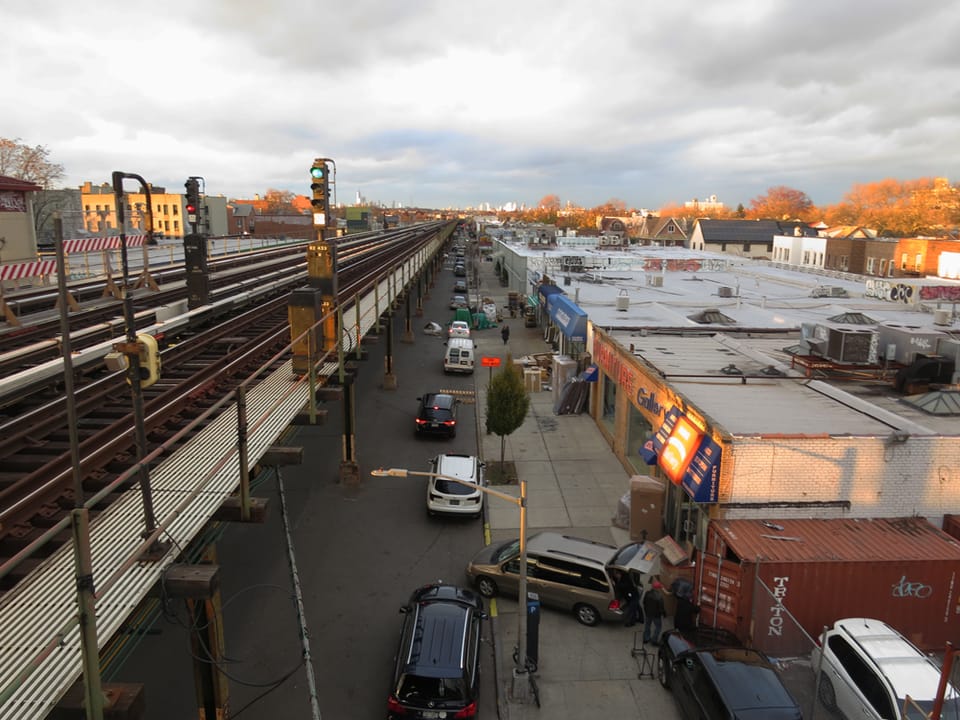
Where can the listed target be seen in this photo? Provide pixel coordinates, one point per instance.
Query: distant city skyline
(450, 105)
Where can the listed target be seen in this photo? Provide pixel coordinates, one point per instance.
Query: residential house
(746, 238)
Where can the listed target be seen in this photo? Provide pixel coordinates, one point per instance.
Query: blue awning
(568, 316)
(545, 291)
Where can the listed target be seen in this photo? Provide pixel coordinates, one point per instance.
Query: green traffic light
(317, 171)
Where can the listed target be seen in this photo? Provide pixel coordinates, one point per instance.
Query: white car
(868, 669)
(459, 328)
(450, 497)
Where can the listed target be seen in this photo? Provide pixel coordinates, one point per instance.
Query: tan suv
(568, 573)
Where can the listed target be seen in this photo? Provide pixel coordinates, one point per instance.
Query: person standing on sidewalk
(629, 597)
(653, 612)
(505, 333)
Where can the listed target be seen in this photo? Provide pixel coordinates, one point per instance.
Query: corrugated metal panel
(903, 571)
(835, 540)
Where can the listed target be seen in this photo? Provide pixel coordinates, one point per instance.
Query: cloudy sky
(442, 103)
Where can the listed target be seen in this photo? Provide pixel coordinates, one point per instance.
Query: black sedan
(437, 415)
(713, 676)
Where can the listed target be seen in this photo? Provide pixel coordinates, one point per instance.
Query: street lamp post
(520, 670)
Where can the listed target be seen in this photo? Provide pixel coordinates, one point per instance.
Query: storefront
(572, 323)
(656, 432)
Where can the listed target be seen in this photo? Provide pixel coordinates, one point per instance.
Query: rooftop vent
(711, 316)
(852, 318)
(731, 369)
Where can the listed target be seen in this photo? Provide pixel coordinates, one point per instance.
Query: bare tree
(30, 164)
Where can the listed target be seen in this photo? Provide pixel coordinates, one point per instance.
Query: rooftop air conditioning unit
(941, 317)
(655, 280)
(852, 345)
(623, 301)
(725, 291)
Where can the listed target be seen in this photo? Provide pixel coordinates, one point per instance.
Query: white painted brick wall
(920, 476)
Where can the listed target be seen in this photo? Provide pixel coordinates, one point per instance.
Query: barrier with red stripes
(101, 243)
(28, 270)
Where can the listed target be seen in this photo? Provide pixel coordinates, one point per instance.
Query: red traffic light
(191, 209)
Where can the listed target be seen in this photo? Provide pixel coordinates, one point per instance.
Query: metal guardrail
(40, 652)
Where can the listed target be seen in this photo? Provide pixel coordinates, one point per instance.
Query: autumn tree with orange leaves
(782, 203)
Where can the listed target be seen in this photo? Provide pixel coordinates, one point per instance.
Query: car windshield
(507, 550)
(417, 689)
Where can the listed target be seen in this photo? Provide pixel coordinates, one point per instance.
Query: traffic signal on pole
(319, 186)
(193, 199)
(149, 359)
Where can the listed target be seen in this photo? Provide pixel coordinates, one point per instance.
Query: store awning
(545, 291)
(568, 316)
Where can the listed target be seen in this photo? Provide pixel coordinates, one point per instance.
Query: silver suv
(868, 669)
(568, 573)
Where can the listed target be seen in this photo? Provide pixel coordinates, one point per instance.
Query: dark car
(713, 676)
(437, 671)
(460, 270)
(460, 286)
(437, 414)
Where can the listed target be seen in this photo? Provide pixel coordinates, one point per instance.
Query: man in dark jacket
(629, 598)
(653, 611)
(685, 617)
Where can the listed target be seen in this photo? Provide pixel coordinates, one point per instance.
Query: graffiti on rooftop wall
(905, 293)
(940, 292)
(891, 291)
(684, 265)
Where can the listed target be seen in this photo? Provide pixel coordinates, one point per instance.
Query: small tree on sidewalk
(507, 404)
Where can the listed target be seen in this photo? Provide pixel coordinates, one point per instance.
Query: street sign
(490, 362)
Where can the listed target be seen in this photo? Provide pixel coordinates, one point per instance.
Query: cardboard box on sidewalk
(646, 507)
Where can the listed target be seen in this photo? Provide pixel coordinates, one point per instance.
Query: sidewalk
(574, 482)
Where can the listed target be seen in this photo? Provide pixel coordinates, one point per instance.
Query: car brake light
(420, 421)
(394, 706)
(468, 712)
(448, 423)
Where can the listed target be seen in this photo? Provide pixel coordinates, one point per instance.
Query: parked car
(460, 286)
(460, 270)
(568, 573)
(711, 675)
(437, 414)
(868, 669)
(437, 669)
(458, 301)
(459, 328)
(450, 497)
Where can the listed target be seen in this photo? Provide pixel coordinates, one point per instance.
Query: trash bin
(533, 628)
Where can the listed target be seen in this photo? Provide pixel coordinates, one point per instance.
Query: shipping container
(777, 583)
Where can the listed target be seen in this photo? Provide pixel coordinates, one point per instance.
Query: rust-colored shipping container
(903, 571)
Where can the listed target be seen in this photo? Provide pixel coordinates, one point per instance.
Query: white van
(458, 356)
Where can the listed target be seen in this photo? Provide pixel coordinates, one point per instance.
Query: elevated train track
(188, 413)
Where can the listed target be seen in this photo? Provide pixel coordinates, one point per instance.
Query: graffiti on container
(940, 292)
(777, 610)
(904, 589)
(894, 292)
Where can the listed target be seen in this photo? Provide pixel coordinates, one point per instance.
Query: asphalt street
(359, 552)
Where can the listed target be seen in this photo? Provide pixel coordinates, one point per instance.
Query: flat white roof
(656, 289)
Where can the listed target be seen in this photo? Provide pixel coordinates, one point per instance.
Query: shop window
(883, 267)
(609, 402)
(918, 262)
(639, 431)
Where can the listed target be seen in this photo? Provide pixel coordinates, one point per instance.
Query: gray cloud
(443, 103)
